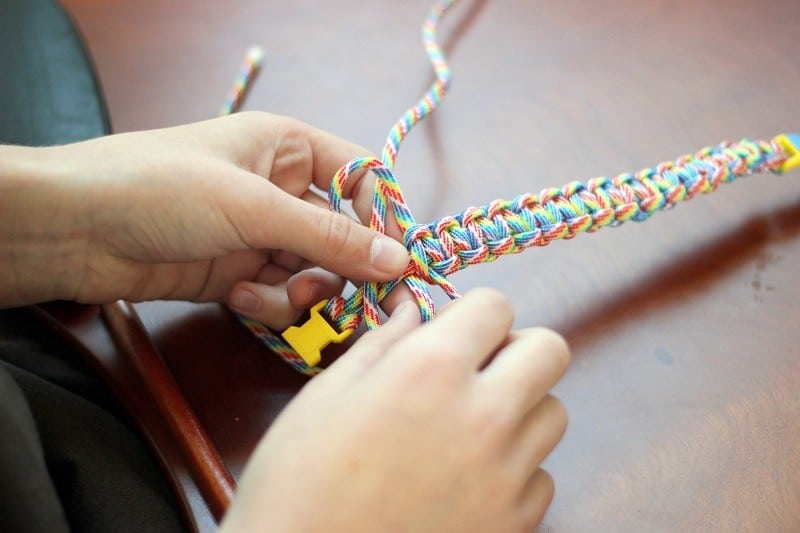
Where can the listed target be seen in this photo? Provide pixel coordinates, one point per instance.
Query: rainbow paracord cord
(244, 80)
(482, 234)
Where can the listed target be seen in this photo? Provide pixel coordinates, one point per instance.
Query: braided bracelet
(482, 234)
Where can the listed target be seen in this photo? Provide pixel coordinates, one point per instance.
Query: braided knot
(502, 227)
(483, 234)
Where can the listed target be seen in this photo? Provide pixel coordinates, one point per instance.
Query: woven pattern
(483, 234)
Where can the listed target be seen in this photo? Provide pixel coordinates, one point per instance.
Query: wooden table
(684, 392)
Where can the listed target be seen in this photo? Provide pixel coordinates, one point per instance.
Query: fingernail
(246, 301)
(388, 255)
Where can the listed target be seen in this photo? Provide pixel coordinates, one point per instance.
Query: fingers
(283, 215)
(469, 332)
(373, 345)
(523, 372)
(267, 304)
(330, 240)
(541, 430)
(330, 153)
(525, 369)
(536, 498)
(283, 149)
(401, 293)
(308, 287)
(280, 213)
(279, 303)
(528, 366)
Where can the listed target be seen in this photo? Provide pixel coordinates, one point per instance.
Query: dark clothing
(69, 458)
(48, 91)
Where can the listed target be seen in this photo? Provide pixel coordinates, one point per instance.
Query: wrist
(43, 235)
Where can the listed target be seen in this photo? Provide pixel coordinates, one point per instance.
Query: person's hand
(435, 428)
(211, 211)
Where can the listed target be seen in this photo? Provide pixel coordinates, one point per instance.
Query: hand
(434, 428)
(214, 210)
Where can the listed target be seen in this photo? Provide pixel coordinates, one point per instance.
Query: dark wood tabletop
(684, 391)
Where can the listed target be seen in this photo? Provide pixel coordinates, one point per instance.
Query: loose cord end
(244, 80)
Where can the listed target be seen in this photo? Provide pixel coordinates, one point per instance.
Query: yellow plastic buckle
(312, 337)
(790, 144)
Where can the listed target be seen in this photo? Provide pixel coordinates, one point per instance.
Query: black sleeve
(69, 458)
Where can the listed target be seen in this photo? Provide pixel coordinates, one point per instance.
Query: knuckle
(494, 417)
(539, 499)
(444, 355)
(553, 345)
(334, 232)
(548, 485)
(371, 339)
(277, 316)
(433, 366)
(255, 120)
(559, 412)
(547, 481)
(491, 298)
(490, 303)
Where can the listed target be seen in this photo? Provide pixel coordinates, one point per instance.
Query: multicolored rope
(482, 234)
(387, 191)
(244, 80)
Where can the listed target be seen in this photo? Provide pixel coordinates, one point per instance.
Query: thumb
(332, 240)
